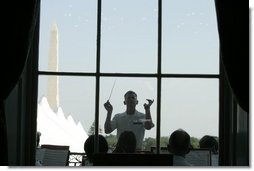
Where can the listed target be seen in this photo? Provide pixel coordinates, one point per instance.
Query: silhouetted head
(89, 146)
(126, 143)
(130, 100)
(210, 142)
(179, 142)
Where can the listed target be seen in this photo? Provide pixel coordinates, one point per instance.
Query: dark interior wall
(21, 114)
(12, 120)
(233, 28)
(242, 146)
(19, 20)
(233, 129)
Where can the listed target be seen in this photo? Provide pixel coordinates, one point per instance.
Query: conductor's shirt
(135, 123)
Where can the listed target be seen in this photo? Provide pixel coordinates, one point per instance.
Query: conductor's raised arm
(149, 123)
(107, 124)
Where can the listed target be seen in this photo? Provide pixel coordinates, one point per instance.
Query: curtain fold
(233, 28)
(18, 22)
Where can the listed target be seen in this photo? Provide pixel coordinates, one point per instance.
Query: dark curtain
(233, 27)
(17, 29)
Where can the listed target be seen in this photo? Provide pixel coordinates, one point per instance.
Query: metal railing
(75, 159)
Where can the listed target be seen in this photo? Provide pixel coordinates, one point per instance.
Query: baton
(112, 89)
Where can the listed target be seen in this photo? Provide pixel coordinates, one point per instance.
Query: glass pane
(65, 110)
(145, 88)
(190, 37)
(129, 36)
(190, 104)
(75, 44)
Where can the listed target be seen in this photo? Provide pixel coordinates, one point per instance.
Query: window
(163, 50)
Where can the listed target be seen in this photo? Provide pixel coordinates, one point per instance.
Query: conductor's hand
(150, 102)
(108, 107)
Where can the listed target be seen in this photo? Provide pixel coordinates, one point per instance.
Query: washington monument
(53, 92)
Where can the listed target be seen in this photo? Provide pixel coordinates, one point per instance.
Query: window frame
(159, 75)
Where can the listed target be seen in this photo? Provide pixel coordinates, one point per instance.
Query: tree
(164, 141)
(112, 140)
(92, 129)
(194, 142)
(151, 142)
(148, 143)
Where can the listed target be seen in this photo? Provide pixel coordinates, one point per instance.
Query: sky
(190, 45)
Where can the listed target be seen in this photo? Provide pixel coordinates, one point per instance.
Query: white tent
(58, 130)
